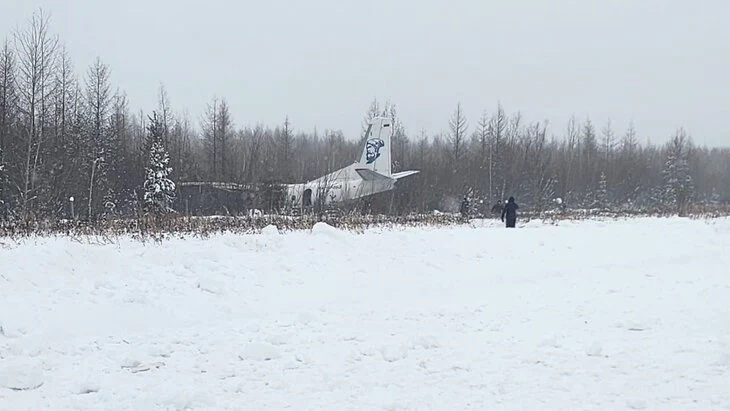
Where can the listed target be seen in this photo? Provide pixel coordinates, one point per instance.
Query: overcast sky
(662, 63)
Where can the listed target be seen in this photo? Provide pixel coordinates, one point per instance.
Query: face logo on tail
(372, 148)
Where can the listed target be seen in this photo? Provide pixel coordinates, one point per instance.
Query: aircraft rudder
(376, 152)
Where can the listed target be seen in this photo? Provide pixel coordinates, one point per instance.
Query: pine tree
(159, 190)
(678, 184)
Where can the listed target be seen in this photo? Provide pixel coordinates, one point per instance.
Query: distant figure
(497, 208)
(464, 209)
(510, 211)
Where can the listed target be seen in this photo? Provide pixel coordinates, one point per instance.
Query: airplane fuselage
(372, 174)
(342, 185)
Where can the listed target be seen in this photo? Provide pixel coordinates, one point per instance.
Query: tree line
(66, 134)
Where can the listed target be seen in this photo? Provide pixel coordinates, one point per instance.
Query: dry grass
(150, 228)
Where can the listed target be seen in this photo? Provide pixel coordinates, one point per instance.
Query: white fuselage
(342, 185)
(370, 175)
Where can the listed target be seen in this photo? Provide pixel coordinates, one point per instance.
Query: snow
(594, 315)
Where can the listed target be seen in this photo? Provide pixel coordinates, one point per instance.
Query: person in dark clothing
(464, 209)
(497, 208)
(510, 212)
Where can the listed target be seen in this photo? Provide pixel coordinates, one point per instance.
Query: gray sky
(662, 63)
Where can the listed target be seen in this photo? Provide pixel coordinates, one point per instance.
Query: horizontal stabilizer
(370, 175)
(404, 174)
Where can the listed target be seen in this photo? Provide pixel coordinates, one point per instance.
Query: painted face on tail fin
(372, 148)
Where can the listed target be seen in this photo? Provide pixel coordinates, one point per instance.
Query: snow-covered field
(597, 315)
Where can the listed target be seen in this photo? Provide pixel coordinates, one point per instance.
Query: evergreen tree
(677, 180)
(159, 189)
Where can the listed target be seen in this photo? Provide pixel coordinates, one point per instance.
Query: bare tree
(589, 162)
(569, 159)
(458, 126)
(102, 150)
(165, 114)
(255, 140)
(627, 164)
(498, 129)
(399, 140)
(285, 139)
(8, 97)
(483, 138)
(225, 130)
(65, 87)
(36, 49)
(8, 102)
(98, 97)
(210, 135)
(608, 148)
(372, 112)
(59, 170)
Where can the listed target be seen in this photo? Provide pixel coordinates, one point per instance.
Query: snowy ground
(631, 314)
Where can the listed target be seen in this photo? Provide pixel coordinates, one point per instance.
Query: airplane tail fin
(375, 159)
(376, 153)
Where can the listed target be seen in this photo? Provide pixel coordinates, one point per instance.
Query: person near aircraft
(510, 212)
(497, 208)
(464, 209)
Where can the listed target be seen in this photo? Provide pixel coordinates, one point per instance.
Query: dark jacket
(464, 209)
(510, 210)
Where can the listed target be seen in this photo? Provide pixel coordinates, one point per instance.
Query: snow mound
(20, 376)
(7, 330)
(88, 387)
(326, 230)
(534, 223)
(723, 360)
(394, 353)
(305, 318)
(259, 351)
(277, 339)
(186, 400)
(636, 404)
(550, 342)
(211, 286)
(270, 230)
(137, 366)
(426, 342)
(594, 350)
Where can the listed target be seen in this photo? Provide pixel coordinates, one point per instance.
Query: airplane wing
(370, 175)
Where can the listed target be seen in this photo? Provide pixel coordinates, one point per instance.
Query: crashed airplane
(372, 174)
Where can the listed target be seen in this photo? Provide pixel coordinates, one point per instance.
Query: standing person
(464, 209)
(497, 208)
(510, 211)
